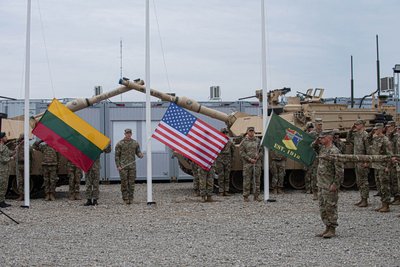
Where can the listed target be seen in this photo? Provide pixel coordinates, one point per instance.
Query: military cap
(128, 130)
(335, 131)
(326, 133)
(309, 125)
(224, 130)
(378, 125)
(359, 121)
(318, 121)
(2, 134)
(251, 128)
(390, 123)
(21, 136)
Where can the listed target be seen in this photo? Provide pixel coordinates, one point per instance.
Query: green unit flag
(288, 140)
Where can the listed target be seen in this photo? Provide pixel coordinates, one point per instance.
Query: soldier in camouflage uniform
(206, 183)
(315, 133)
(308, 170)
(358, 137)
(223, 166)
(278, 163)
(49, 169)
(251, 154)
(74, 176)
(92, 181)
(396, 150)
(196, 178)
(329, 175)
(5, 157)
(393, 136)
(380, 145)
(125, 152)
(20, 154)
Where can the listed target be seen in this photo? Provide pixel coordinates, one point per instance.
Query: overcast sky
(75, 45)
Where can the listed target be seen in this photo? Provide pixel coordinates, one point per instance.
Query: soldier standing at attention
(278, 164)
(74, 175)
(223, 166)
(380, 145)
(125, 152)
(393, 185)
(329, 175)
(20, 169)
(206, 183)
(358, 137)
(92, 181)
(5, 157)
(396, 151)
(251, 155)
(315, 133)
(49, 169)
(308, 170)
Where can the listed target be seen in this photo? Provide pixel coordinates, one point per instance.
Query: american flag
(190, 136)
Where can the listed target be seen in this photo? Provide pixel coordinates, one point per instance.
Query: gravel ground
(182, 231)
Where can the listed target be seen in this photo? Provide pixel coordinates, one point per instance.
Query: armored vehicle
(298, 110)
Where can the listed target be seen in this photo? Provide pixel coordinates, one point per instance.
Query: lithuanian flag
(71, 136)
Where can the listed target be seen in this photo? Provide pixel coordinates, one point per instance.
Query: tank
(298, 110)
(13, 127)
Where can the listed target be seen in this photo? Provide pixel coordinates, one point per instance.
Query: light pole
(396, 72)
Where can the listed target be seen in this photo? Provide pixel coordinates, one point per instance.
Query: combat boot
(94, 202)
(88, 203)
(246, 199)
(209, 199)
(126, 201)
(221, 194)
(323, 233)
(396, 201)
(47, 197)
(20, 198)
(385, 207)
(227, 194)
(196, 193)
(4, 205)
(280, 190)
(204, 198)
(71, 196)
(358, 203)
(52, 197)
(363, 203)
(257, 198)
(78, 196)
(315, 196)
(331, 232)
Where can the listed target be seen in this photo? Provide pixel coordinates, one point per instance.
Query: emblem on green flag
(288, 140)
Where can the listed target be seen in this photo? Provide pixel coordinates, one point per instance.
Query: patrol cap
(326, 133)
(309, 125)
(251, 128)
(318, 121)
(390, 123)
(128, 130)
(359, 121)
(378, 125)
(2, 134)
(21, 136)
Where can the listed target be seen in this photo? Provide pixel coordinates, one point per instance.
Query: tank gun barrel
(181, 101)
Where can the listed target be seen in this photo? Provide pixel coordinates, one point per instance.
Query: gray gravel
(181, 231)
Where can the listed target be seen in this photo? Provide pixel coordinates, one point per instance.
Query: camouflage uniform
(206, 182)
(223, 167)
(393, 185)
(278, 163)
(396, 150)
(125, 152)
(195, 174)
(5, 158)
(380, 145)
(20, 154)
(328, 173)
(74, 175)
(49, 167)
(92, 180)
(312, 176)
(359, 140)
(250, 149)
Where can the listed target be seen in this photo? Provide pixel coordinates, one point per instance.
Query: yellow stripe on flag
(79, 125)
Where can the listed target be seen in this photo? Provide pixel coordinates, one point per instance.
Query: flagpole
(265, 99)
(26, 111)
(148, 109)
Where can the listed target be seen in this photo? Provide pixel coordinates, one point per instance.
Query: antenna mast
(120, 57)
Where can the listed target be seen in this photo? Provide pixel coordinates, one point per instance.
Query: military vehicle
(13, 127)
(298, 110)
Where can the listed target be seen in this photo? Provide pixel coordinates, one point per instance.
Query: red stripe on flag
(220, 138)
(69, 151)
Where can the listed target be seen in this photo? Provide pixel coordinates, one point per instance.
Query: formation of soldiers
(126, 151)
